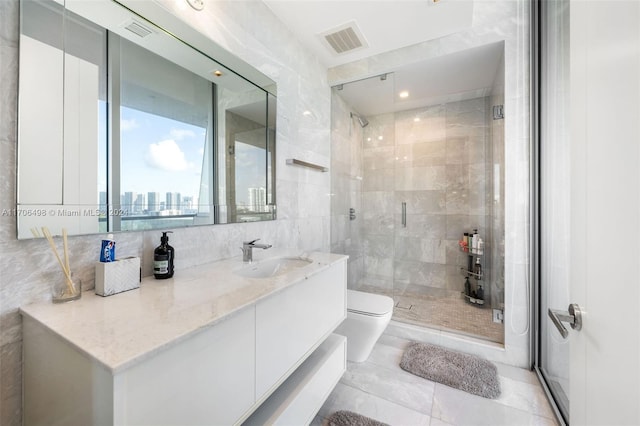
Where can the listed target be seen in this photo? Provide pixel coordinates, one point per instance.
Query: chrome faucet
(247, 249)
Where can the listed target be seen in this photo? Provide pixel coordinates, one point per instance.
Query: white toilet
(368, 315)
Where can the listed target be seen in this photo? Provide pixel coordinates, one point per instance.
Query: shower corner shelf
(473, 300)
(466, 273)
(472, 252)
(478, 279)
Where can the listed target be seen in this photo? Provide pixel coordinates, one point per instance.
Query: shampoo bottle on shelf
(474, 241)
(163, 257)
(467, 286)
(478, 269)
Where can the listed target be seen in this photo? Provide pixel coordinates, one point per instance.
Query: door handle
(404, 214)
(573, 317)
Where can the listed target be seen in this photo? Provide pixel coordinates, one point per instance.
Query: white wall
(493, 21)
(249, 30)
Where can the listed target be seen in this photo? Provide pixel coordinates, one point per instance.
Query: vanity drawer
(299, 398)
(292, 324)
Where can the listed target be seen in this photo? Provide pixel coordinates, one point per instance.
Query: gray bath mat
(349, 418)
(458, 370)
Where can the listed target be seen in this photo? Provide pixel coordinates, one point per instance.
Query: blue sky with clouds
(159, 154)
(163, 155)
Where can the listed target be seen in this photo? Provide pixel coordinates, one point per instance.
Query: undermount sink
(272, 267)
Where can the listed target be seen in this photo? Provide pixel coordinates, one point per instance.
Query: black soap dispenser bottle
(163, 257)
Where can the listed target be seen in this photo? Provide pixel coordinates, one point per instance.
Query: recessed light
(306, 113)
(404, 94)
(416, 119)
(380, 138)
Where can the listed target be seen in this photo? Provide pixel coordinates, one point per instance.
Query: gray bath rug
(458, 370)
(349, 418)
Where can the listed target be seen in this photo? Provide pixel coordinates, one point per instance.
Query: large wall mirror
(127, 125)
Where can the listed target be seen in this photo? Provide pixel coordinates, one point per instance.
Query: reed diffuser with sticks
(69, 289)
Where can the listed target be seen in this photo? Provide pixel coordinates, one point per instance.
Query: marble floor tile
(386, 355)
(438, 422)
(393, 384)
(524, 396)
(380, 389)
(519, 374)
(346, 397)
(394, 341)
(460, 408)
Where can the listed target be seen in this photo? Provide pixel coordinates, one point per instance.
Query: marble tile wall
(380, 209)
(250, 31)
(433, 159)
(493, 21)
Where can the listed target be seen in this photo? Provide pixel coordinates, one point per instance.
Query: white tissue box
(116, 277)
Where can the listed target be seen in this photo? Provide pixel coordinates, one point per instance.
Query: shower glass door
(448, 181)
(431, 171)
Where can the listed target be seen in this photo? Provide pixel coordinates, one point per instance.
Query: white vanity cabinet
(208, 379)
(186, 352)
(290, 326)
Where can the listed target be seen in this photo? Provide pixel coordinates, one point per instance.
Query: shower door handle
(404, 214)
(573, 317)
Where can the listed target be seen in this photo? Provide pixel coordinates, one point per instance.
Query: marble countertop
(124, 329)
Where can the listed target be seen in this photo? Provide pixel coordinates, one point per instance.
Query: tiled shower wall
(346, 188)
(434, 159)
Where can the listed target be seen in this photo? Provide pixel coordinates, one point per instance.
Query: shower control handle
(573, 317)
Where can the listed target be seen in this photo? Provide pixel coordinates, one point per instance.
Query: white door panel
(605, 210)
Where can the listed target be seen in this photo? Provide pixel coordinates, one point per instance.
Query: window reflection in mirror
(248, 132)
(165, 128)
(131, 139)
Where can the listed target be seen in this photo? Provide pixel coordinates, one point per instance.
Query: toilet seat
(370, 304)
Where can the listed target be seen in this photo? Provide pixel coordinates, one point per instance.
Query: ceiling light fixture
(404, 94)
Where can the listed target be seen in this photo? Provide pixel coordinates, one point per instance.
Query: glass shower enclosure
(416, 178)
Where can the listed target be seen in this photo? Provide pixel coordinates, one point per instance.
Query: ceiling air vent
(345, 38)
(138, 29)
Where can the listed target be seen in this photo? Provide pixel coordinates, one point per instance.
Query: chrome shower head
(363, 121)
